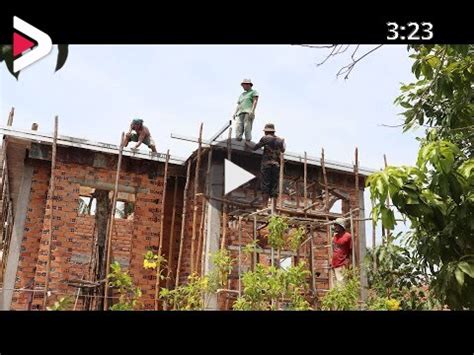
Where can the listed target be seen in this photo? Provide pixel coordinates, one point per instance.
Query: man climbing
(342, 247)
(245, 111)
(273, 146)
(142, 135)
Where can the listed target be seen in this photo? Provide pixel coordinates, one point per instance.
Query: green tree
(436, 195)
(398, 274)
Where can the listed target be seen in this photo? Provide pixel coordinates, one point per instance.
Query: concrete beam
(13, 258)
(108, 186)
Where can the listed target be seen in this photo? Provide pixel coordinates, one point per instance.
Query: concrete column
(213, 231)
(13, 257)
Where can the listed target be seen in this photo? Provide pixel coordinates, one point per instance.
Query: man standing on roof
(142, 135)
(342, 247)
(245, 111)
(273, 146)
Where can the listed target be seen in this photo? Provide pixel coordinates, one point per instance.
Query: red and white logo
(29, 44)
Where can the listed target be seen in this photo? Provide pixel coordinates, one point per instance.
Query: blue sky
(175, 88)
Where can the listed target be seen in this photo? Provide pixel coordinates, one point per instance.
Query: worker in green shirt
(245, 111)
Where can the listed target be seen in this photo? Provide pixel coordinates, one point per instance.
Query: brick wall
(72, 234)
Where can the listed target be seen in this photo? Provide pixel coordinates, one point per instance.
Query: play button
(235, 176)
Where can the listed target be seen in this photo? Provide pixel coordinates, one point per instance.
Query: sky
(175, 88)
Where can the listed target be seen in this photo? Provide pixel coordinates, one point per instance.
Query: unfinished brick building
(177, 204)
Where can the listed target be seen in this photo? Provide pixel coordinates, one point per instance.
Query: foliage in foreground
(271, 288)
(129, 295)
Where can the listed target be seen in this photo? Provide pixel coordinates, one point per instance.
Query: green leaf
(63, 51)
(459, 276)
(434, 62)
(388, 219)
(467, 268)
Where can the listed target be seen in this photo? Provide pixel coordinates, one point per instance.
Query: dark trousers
(270, 176)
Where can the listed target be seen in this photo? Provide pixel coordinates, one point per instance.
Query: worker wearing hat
(245, 111)
(142, 135)
(272, 146)
(342, 246)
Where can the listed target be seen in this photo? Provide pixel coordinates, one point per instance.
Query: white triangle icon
(235, 176)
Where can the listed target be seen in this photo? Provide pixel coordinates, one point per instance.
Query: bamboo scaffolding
(111, 222)
(51, 194)
(171, 236)
(195, 198)
(183, 220)
(162, 227)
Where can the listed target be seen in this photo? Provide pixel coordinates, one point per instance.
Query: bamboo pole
(195, 197)
(162, 227)
(254, 263)
(224, 208)
(387, 203)
(51, 194)
(171, 237)
(280, 189)
(356, 227)
(10, 117)
(305, 181)
(326, 210)
(4, 156)
(353, 241)
(111, 223)
(240, 256)
(183, 220)
(297, 189)
(202, 239)
(311, 256)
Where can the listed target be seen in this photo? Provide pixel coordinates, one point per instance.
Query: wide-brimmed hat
(247, 81)
(269, 127)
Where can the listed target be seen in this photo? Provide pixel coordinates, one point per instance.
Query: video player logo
(24, 44)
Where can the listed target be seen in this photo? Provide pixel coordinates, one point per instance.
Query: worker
(273, 146)
(142, 135)
(342, 247)
(245, 111)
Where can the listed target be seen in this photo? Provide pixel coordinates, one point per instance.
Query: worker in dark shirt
(272, 146)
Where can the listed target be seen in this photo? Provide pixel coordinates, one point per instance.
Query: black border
(246, 332)
(303, 24)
